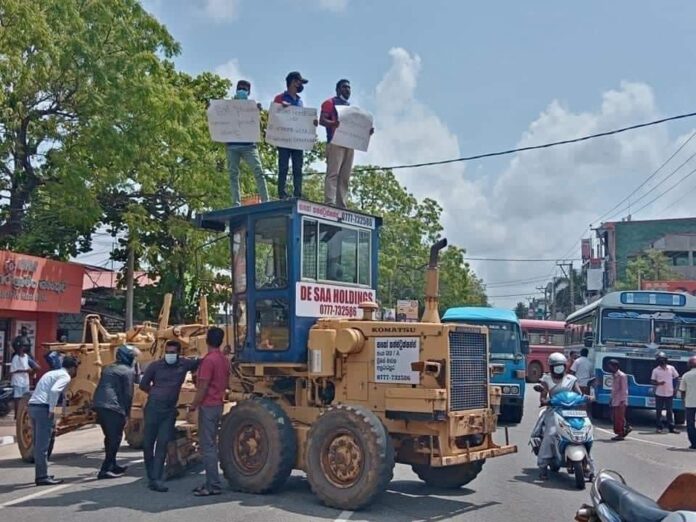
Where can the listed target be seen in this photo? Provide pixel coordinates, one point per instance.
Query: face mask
(170, 358)
(300, 88)
(558, 370)
(241, 95)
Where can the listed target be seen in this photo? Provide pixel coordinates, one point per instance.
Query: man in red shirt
(619, 400)
(339, 160)
(211, 386)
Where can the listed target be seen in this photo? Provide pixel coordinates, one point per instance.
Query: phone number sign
(393, 358)
(317, 300)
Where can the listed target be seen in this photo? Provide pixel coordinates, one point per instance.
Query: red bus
(545, 337)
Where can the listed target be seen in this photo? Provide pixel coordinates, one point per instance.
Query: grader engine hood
(418, 371)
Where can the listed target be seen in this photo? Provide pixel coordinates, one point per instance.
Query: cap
(295, 75)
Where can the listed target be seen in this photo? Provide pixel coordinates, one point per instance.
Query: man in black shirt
(112, 402)
(162, 382)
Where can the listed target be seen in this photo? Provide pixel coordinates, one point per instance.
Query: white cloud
(233, 72)
(542, 200)
(337, 6)
(219, 10)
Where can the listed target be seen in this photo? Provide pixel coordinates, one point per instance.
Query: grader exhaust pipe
(432, 290)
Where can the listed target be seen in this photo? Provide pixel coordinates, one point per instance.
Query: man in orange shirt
(211, 387)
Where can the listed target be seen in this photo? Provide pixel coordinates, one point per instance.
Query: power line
(646, 180)
(526, 294)
(521, 260)
(516, 282)
(531, 147)
(683, 178)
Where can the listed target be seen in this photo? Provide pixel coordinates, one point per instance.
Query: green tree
(651, 265)
(409, 229)
(72, 76)
(521, 310)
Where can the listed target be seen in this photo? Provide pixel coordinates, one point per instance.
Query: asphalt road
(506, 489)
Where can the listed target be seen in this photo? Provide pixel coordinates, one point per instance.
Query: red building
(33, 291)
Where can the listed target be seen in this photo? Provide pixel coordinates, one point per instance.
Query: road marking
(43, 492)
(5, 441)
(637, 439)
(344, 516)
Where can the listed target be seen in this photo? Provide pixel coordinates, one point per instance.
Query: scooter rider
(556, 381)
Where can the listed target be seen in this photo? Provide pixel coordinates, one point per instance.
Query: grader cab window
(271, 253)
(272, 324)
(335, 253)
(239, 260)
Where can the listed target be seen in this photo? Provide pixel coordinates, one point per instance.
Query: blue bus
(632, 327)
(507, 351)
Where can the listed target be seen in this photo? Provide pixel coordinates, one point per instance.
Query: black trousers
(284, 156)
(160, 419)
(691, 426)
(112, 424)
(664, 403)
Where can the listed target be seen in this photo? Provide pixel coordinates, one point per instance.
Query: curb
(5, 441)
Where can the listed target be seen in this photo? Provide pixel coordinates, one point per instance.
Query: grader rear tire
(135, 433)
(258, 446)
(25, 437)
(448, 477)
(350, 458)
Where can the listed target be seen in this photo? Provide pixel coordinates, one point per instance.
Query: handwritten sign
(393, 358)
(234, 121)
(354, 129)
(291, 127)
(318, 300)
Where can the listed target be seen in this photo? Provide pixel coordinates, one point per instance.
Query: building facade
(33, 291)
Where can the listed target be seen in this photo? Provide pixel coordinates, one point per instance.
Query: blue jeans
(250, 154)
(284, 156)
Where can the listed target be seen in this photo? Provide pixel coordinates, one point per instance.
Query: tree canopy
(651, 265)
(101, 135)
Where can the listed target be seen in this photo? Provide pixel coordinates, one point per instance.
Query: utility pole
(569, 276)
(546, 302)
(553, 298)
(130, 276)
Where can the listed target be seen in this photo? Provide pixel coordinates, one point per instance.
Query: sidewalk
(7, 429)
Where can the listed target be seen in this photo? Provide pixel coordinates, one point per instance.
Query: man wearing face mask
(112, 402)
(162, 382)
(339, 160)
(246, 151)
(295, 85)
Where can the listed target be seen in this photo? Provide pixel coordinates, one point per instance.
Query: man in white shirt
(19, 370)
(663, 377)
(687, 387)
(582, 369)
(41, 410)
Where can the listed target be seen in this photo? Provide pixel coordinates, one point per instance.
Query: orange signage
(687, 286)
(35, 284)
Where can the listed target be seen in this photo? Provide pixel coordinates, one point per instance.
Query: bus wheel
(534, 372)
(679, 417)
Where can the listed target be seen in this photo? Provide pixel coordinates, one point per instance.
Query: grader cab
(322, 386)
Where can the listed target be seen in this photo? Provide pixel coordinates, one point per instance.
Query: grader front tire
(25, 436)
(258, 446)
(350, 458)
(448, 477)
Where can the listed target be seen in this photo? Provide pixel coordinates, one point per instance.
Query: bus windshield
(626, 326)
(679, 328)
(504, 339)
(632, 326)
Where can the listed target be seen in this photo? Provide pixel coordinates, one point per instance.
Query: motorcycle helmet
(559, 361)
(54, 360)
(661, 357)
(126, 354)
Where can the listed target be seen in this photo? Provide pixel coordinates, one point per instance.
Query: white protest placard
(354, 128)
(393, 358)
(234, 121)
(291, 127)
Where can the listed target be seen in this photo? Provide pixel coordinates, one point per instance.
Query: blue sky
(450, 78)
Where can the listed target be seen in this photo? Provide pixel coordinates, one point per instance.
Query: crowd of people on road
(339, 159)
